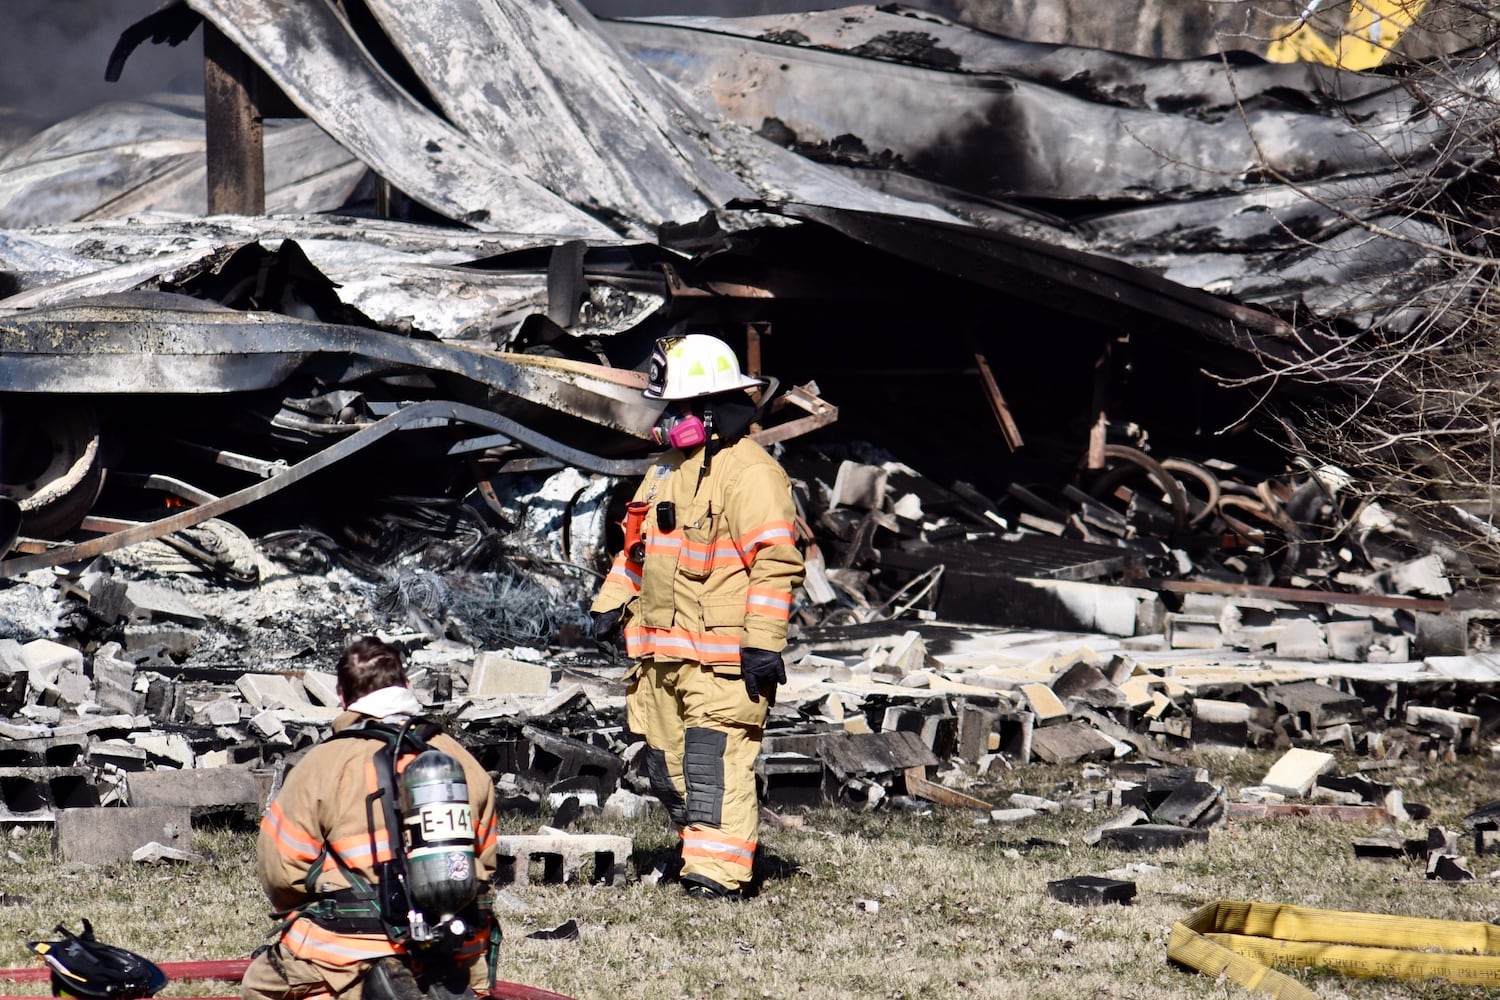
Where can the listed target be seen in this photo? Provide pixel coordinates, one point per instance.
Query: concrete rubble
(190, 697)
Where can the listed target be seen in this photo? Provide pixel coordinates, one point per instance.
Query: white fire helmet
(694, 365)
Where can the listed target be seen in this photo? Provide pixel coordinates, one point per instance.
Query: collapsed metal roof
(1229, 175)
(847, 176)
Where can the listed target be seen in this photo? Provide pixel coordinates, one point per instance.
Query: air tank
(438, 831)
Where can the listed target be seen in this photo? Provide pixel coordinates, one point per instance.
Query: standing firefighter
(702, 593)
(365, 911)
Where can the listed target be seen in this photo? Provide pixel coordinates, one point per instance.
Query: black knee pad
(703, 770)
(662, 787)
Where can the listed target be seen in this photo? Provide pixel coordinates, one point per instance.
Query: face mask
(678, 429)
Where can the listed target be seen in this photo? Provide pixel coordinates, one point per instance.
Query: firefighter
(325, 845)
(702, 593)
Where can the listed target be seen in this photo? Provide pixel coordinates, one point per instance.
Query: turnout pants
(276, 974)
(703, 734)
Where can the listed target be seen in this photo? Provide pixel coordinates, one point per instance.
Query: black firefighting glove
(762, 670)
(607, 631)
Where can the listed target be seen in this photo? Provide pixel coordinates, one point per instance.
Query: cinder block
(321, 688)
(270, 691)
(1193, 632)
(1295, 772)
(975, 726)
(222, 790)
(35, 794)
(114, 681)
(101, 835)
(1350, 641)
(41, 751)
(494, 675)
(563, 856)
(1301, 639)
(789, 779)
(1226, 723)
(554, 757)
(1458, 727)
(1043, 703)
(1317, 706)
(44, 659)
(1069, 743)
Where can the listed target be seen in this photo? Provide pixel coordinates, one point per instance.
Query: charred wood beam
(234, 128)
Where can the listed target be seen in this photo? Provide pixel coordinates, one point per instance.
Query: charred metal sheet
(510, 155)
(1213, 87)
(158, 343)
(1005, 135)
(395, 273)
(139, 156)
(555, 103)
(310, 52)
(417, 416)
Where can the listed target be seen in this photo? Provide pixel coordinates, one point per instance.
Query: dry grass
(962, 908)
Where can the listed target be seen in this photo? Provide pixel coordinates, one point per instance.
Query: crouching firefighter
(377, 855)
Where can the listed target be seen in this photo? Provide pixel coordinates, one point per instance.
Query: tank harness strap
(363, 908)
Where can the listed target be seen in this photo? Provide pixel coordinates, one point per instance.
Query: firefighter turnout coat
(722, 578)
(320, 811)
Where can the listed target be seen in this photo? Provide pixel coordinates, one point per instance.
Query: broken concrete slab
(859, 755)
(321, 688)
(493, 676)
(1091, 890)
(1295, 771)
(1192, 803)
(151, 602)
(1070, 743)
(101, 835)
(216, 792)
(267, 691)
(1151, 837)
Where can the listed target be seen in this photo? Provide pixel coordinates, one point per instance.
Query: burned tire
(49, 462)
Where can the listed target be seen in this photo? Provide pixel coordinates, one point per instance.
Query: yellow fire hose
(1241, 941)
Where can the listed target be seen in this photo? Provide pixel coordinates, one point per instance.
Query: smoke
(53, 53)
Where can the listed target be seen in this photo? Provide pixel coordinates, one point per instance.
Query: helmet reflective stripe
(694, 365)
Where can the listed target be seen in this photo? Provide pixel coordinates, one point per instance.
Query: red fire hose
(233, 970)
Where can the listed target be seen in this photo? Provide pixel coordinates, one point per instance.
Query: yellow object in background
(1370, 32)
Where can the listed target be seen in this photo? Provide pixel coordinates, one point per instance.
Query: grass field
(853, 904)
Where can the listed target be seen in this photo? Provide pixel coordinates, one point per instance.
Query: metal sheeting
(1238, 178)
(309, 51)
(550, 128)
(1004, 136)
(556, 104)
(1204, 87)
(141, 156)
(158, 343)
(392, 272)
